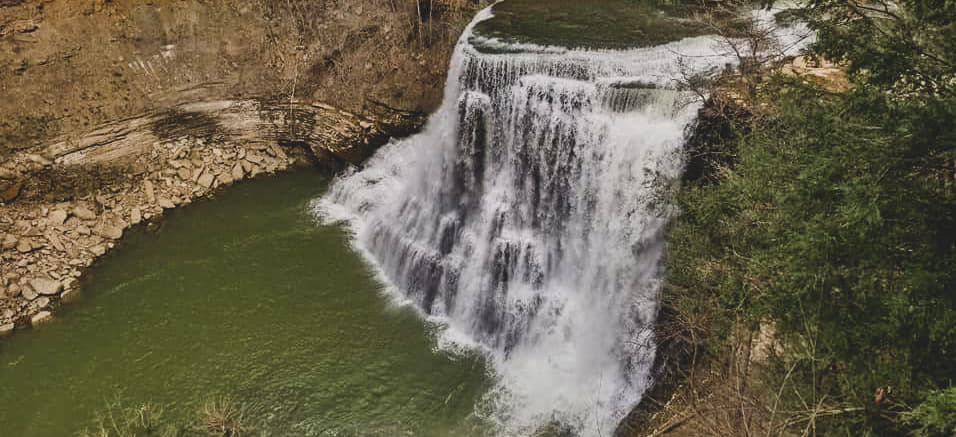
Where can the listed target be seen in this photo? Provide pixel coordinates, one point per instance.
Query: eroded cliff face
(68, 66)
(112, 112)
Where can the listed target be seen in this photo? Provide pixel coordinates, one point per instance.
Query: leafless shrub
(225, 418)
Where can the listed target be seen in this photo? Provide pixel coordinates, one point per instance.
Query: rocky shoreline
(66, 204)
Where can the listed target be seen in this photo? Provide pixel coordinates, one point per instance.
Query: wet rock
(70, 283)
(46, 287)
(83, 213)
(70, 295)
(41, 317)
(6, 329)
(225, 179)
(57, 217)
(98, 250)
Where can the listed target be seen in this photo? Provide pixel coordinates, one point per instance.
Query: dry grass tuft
(225, 418)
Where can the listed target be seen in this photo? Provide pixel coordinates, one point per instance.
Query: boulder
(28, 292)
(41, 317)
(83, 230)
(6, 173)
(46, 287)
(165, 203)
(184, 173)
(135, 215)
(206, 180)
(198, 173)
(279, 153)
(238, 172)
(246, 165)
(57, 217)
(55, 241)
(24, 245)
(109, 231)
(83, 213)
(150, 191)
(98, 250)
(42, 302)
(9, 242)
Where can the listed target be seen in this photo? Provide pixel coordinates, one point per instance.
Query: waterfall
(527, 217)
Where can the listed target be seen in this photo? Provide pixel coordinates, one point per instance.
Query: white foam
(527, 219)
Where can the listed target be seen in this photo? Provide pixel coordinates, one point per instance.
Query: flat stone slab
(46, 287)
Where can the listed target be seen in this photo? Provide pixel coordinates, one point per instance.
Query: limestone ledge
(49, 235)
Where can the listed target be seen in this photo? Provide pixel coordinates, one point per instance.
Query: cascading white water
(527, 217)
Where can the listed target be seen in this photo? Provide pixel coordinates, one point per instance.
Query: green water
(613, 24)
(244, 297)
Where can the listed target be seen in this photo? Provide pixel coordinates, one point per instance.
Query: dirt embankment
(113, 111)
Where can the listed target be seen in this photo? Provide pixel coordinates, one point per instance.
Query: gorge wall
(113, 111)
(69, 66)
